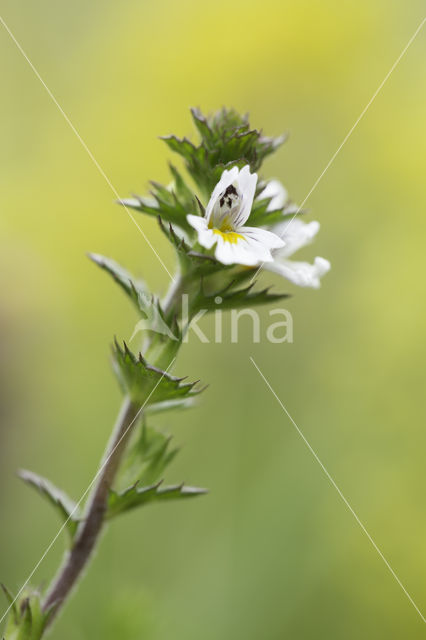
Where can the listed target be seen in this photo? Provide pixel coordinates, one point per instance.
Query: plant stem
(171, 300)
(90, 528)
(88, 533)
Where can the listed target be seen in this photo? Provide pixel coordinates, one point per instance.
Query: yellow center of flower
(226, 231)
(229, 236)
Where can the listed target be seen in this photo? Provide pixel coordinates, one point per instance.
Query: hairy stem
(87, 536)
(170, 303)
(88, 533)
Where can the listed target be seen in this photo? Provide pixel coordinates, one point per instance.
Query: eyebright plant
(224, 224)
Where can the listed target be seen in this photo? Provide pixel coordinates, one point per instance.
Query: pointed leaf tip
(64, 505)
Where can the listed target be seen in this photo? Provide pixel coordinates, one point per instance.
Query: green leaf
(138, 496)
(155, 320)
(201, 263)
(226, 141)
(226, 122)
(204, 129)
(260, 216)
(37, 616)
(234, 299)
(163, 202)
(179, 243)
(141, 473)
(147, 458)
(12, 603)
(190, 153)
(183, 192)
(146, 384)
(146, 205)
(28, 622)
(65, 506)
(147, 305)
(259, 209)
(168, 405)
(220, 126)
(169, 205)
(196, 162)
(135, 289)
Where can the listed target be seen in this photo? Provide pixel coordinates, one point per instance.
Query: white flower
(278, 194)
(228, 209)
(297, 234)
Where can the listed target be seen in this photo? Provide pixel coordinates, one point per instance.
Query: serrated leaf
(216, 172)
(163, 202)
(147, 305)
(65, 506)
(154, 320)
(138, 496)
(147, 205)
(169, 405)
(227, 122)
(169, 206)
(226, 141)
(179, 242)
(234, 299)
(186, 149)
(183, 192)
(147, 458)
(259, 209)
(171, 203)
(202, 263)
(260, 216)
(240, 145)
(146, 384)
(196, 160)
(203, 127)
(135, 289)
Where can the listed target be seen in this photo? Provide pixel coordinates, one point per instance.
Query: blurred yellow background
(272, 552)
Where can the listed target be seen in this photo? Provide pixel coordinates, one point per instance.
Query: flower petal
(301, 274)
(247, 184)
(278, 194)
(239, 252)
(296, 234)
(206, 237)
(252, 248)
(267, 238)
(197, 222)
(227, 178)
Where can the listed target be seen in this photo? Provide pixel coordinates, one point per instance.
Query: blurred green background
(272, 552)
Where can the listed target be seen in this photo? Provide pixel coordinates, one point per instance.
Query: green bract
(227, 140)
(147, 385)
(26, 621)
(138, 496)
(67, 509)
